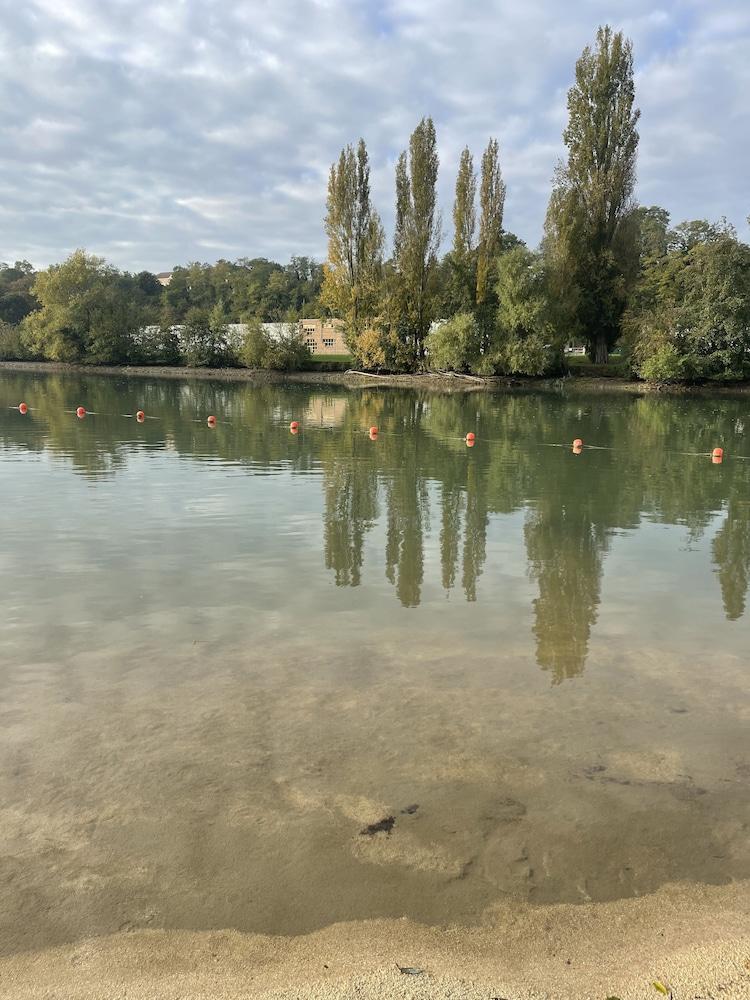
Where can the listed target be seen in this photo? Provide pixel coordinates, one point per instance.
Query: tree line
(608, 273)
(86, 310)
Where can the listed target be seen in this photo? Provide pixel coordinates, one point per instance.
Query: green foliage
(455, 344)
(524, 342)
(155, 345)
(11, 344)
(87, 312)
(690, 315)
(92, 313)
(288, 353)
(203, 341)
(462, 259)
(16, 297)
(285, 353)
(255, 345)
(591, 228)
(247, 287)
(417, 237)
(667, 364)
(379, 348)
(492, 202)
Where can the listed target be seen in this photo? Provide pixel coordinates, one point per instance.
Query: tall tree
(492, 204)
(464, 230)
(417, 234)
(355, 241)
(591, 233)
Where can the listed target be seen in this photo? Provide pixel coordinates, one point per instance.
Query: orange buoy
(471, 436)
(578, 443)
(140, 416)
(717, 459)
(23, 408)
(81, 412)
(211, 421)
(470, 442)
(717, 453)
(294, 426)
(577, 449)
(373, 430)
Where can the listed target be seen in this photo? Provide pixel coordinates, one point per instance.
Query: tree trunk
(600, 352)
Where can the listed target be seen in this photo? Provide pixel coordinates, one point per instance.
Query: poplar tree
(591, 232)
(355, 241)
(417, 235)
(464, 230)
(492, 204)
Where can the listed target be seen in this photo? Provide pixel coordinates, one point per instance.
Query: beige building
(323, 336)
(164, 277)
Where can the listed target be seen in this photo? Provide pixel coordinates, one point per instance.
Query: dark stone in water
(410, 810)
(409, 970)
(382, 826)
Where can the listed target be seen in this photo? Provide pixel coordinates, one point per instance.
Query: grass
(579, 364)
(318, 359)
(330, 362)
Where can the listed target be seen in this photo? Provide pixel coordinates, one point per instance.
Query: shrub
(667, 364)
(379, 348)
(203, 343)
(285, 353)
(455, 344)
(156, 345)
(256, 343)
(11, 345)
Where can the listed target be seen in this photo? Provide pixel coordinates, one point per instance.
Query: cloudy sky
(160, 132)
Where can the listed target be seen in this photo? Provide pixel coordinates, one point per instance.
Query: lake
(266, 681)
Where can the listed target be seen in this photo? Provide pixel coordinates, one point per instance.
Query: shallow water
(225, 652)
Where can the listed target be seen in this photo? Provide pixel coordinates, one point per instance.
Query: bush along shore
(671, 304)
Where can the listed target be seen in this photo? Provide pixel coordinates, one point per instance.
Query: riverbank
(355, 379)
(694, 939)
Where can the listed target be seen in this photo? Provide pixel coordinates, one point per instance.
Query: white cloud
(161, 132)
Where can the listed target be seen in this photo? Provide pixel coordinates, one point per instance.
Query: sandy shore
(695, 939)
(354, 379)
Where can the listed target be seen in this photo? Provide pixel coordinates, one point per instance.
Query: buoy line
(470, 438)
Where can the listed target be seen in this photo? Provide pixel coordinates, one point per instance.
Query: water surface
(225, 652)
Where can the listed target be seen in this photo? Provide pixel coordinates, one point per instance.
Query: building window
(328, 341)
(311, 344)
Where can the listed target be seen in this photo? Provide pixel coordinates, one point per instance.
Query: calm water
(225, 652)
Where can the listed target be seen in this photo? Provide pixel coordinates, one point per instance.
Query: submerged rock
(382, 826)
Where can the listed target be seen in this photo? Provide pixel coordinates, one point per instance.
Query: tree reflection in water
(419, 471)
